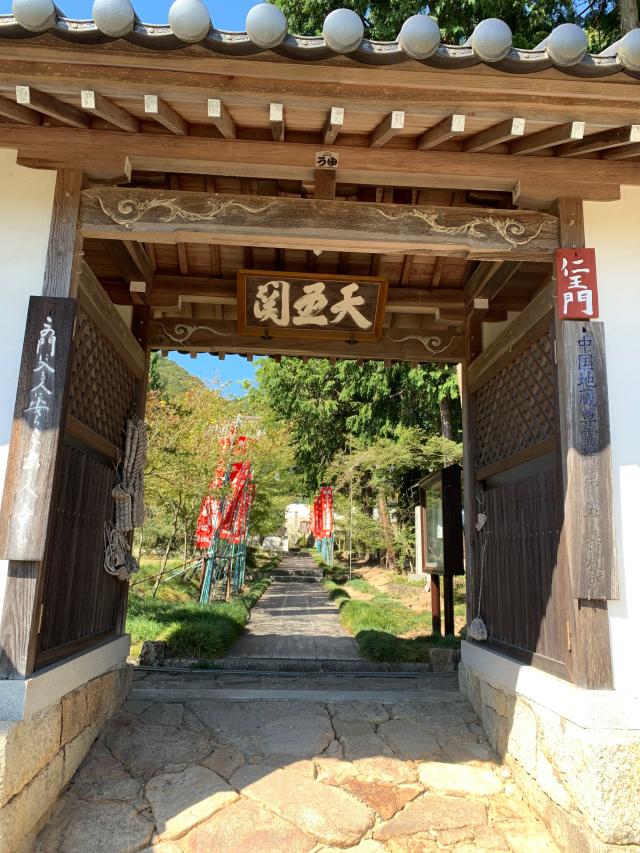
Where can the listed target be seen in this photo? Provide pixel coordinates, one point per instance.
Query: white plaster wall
(26, 202)
(613, 230)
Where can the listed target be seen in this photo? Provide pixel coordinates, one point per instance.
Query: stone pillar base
(40, 753)
(574, 753)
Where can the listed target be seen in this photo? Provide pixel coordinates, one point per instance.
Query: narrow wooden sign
(306, 305)
(37, 428)
(589, 497)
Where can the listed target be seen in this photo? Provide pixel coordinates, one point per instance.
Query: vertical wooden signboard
(37, 427)
(589, 499)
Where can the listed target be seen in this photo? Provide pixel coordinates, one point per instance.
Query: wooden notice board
(310, 305)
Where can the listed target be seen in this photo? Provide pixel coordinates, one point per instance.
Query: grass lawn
(385, 628)
(190, 630)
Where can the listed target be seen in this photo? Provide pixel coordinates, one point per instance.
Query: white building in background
(297, 522)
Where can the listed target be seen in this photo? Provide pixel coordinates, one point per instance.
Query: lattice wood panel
(515, 409)
(102, 388)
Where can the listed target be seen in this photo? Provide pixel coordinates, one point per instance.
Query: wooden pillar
(589, 655)
(436, 621)
(449, 621)
(21, 611)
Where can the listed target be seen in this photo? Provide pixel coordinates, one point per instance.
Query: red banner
(326, 520)
(577, 284)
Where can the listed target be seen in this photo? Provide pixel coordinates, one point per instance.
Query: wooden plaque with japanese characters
(39, 412)
(310, 305)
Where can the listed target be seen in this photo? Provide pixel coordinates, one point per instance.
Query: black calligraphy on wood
(588, 499)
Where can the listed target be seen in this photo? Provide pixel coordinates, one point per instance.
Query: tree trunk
(387, 533)
(628, 15)
(141, 544)
(446, 425)
(166, 555)
(185, 555)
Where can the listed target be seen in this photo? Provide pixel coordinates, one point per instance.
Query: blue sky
(230, 373)
(228, 15)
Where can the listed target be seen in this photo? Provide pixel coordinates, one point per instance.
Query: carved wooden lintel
(163, 216)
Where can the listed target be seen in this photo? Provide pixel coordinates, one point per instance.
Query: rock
(25, 748)
(330, 814)
(384, 797)
(459, 779)
(163, 714)
(380, 768)
(442, 660)
(366, 846)
(181, 801)
(19, 817)
(152, 653)
(419, 843)
(431, 812)
(409, 741)
(224, 761)
(522, 741)
(296, 729)
(363, 746)
(79, 827)
(162, 847)
(528, 836)
(334, 750)
(101, 777)
(245, 827)
(145, 750)
(372, 712)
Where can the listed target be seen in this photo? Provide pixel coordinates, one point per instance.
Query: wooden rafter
(94, 103)
(156, 108)
(17, 113)
(489, 278)
(447, 129)
(503, 132)
(569, 132)
(220, 117)
(41, 102)
(387, 129)
(605, 139)
(334, 125)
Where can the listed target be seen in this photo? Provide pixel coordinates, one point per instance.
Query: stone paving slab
(235, 769)
(295, 621)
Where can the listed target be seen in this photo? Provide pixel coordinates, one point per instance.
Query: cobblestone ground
(225, 763)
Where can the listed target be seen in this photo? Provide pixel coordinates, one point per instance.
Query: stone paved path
(295, 620)
(255, 764)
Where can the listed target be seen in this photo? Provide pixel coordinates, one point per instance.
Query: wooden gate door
(515, 473)
(101, 372)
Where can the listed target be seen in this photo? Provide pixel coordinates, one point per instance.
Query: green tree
(529, 22)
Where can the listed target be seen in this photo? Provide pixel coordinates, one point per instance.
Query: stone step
(313, 666)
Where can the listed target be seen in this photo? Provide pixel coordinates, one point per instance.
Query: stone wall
(39, 755)
(582, 780)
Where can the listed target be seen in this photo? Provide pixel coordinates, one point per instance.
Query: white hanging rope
(478, 630)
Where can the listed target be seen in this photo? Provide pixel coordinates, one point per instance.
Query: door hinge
(555, 351)
(40, 617)
(568, 635)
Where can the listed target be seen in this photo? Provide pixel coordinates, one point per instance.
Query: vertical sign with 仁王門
(577, 284)
(38, 424)
(589, 499)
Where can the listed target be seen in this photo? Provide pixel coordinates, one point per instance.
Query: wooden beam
(131, 259)
(26, 96)
(295, 161)
(140, 292)
(17, 113)
(605, 139)
(140, 260)
(165, 115)
(95, 104)
(502, 132)
(478, 309)
(220, 117)
(487, 281)
(175, 217)
(387, 129)
(569, 132)
(624, 152)
(276, 120)
(64, 252)
(333, 126)
(438, 269)
(407, 344)
(447, 129)
(324, 183)
(405, 273)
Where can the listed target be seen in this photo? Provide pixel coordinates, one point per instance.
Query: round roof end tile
(34, 15)
(343, 30)
(567, 44)
(266, 25)
(419, 36)
(189, 20)
(491, 40)
(114, 18)
(629, 50)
